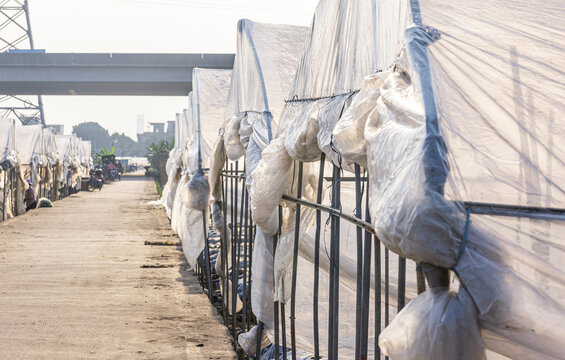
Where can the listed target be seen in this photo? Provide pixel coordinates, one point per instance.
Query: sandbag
(439, 324)
(301, 136)
(348, 133)
(328, 116)
(252, 158)
(44, 203)
(234, 148)
(418, 224)
(248, 340)
(272, 176)
(198, 192)
(217, 165)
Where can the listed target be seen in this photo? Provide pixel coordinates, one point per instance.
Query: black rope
(296, 99)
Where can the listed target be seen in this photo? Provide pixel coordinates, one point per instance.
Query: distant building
(140, 124)
(158, 128)
(58, 129)
(147, 138)
(171, 127)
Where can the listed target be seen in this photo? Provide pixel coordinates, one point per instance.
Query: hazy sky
(144, 26)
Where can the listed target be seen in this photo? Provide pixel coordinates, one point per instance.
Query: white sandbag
(252, 158)
(439, 324)
(301, 136)
(262, 279)
(191, 234)
(199, 192)
(246, 127)
(274, 171)
(328, 116)
(176, 209)
(417, 224)
(217, 165)
(348, 133)
(234, 148)
(44, 203)
(248, 340)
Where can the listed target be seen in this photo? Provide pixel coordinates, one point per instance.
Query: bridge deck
(103, 74)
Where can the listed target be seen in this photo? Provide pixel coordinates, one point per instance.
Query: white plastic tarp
(189, 190)
(30, 146)
(264, 67)
(29, 143)
(265, 62)
(339, 53)
(50, 145)
(175, 163)
(87, 154)
(498, 90)
(8, 141)
(66, 155)
(9, 161)
(210, 93)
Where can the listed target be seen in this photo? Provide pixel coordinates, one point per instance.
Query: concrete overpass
(103, 74)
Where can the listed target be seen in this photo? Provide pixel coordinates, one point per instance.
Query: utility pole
(15, 36)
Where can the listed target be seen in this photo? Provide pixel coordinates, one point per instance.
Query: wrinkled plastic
(198, 192)
(265, 64)
(262, 279)
(449, 329)
(210, 95)
(483, 148)
(422, 226)
(248, 340)
(300, 138)
(264, 196)
(217, 165)
(348, 133)
(234, 148)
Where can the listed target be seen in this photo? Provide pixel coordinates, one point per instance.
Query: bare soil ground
(78, 282)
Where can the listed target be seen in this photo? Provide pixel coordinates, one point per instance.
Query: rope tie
(463, 243)
(295, 98)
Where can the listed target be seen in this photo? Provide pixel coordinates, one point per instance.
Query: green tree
(157, 157)
(92, 131)
(125, 146)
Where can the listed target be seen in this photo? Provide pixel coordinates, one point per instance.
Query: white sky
(144, 26)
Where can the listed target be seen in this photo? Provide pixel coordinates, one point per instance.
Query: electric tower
(15, 35)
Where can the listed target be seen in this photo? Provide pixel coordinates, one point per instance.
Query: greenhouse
(364, 178)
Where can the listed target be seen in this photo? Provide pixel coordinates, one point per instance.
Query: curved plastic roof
(7, 137)
(29, 142)
(210, 96)
(64, 147)
(265, 64)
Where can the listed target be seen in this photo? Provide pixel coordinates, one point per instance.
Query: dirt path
(72, 285)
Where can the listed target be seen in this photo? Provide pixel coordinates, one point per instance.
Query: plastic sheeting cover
(264, 67)
(8, 141)
(496, 89)
(210, 93)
